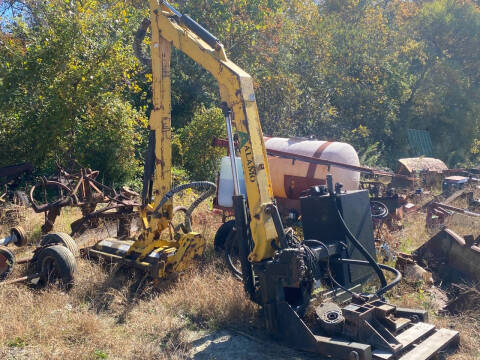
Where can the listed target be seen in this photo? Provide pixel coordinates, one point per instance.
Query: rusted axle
(21, 279)
(454, 209)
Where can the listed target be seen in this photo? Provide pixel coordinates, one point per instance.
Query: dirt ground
(231, 344)
(202, 314)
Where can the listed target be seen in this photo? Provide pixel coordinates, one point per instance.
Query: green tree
(444, 97)
(65, 68)
(199, 157)
(362, 72)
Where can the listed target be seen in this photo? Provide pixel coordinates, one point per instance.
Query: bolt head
(353, 356)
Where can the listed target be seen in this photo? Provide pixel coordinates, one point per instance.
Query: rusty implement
(81, 189)
(437, 213)
(452, 257)
(52, 262)
(464, 298)
(9, 175)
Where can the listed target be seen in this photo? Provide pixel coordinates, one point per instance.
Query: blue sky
(6, 10)
(6, 15)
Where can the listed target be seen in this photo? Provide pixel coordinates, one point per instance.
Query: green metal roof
(420, 142)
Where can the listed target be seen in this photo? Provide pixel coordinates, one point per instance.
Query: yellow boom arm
(237, 93)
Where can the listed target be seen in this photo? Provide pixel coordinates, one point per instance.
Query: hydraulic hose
(378, 205)
(199, 185)
(188, 214)
(310, 254)
(384, 289)
(361, 248)
(183, 19)
(137, 43)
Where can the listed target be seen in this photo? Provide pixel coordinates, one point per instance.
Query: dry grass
(101, 318)
(104, 317)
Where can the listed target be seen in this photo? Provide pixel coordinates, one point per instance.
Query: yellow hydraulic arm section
(237, 94)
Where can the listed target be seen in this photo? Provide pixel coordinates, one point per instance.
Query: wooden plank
(407, 313)
(382, 354)
(414, 333)
(401, 323)
(432, 345)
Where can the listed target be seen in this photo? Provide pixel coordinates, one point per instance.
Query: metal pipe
(201, 32)
(24, 278)
(241, 232)
(231, 148)
(455, 209)
(313, 160)
(24, 261)
(171, 8)
(194, 26)
(277, 221)
(330, 184)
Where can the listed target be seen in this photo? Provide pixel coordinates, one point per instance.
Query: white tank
(225, 181)
(291, 177)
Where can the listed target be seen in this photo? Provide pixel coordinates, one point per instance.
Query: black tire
(19, 233)
(232, 255)
(63, 239)
(56, 264)
(222, 234)
(7, 262)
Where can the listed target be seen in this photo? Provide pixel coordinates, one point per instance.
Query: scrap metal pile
(431, 188)
(53, 261)
(82, 189)
(9, 175)
(450, 264)
(280, 271)
(447, 262)
(54, 258)
(12, 201)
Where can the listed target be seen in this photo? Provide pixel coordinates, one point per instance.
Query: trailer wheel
(56, 264)
(63, 239)
(7, 262)
(232, 256)
(20, 235)
(222, 235)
